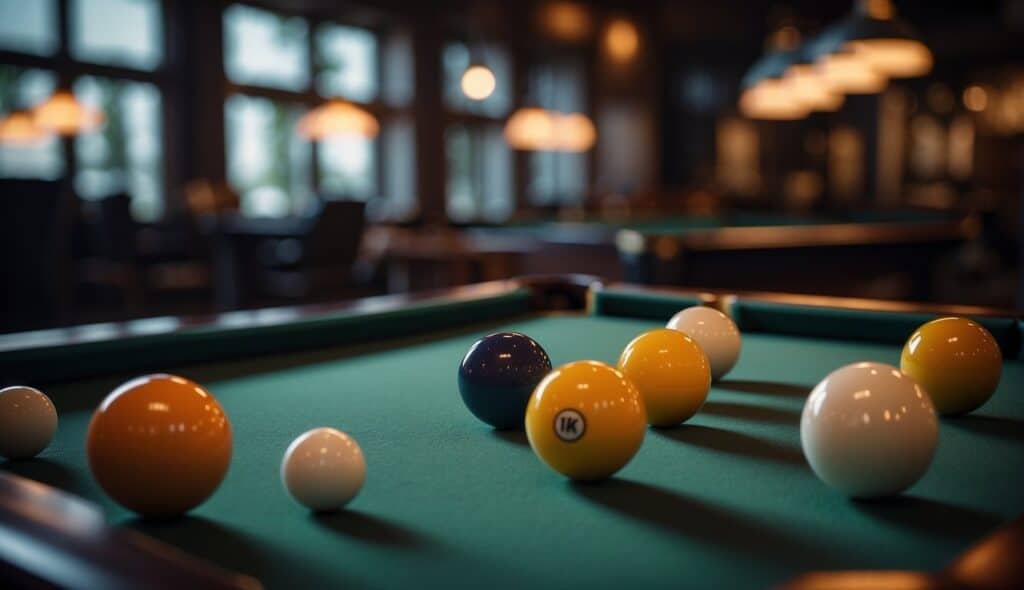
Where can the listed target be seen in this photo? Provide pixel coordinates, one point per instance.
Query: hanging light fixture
(531, 128)
(850, 73)
(65, 115)
(20, 129)
(887, 42)
(621, 40)
(808, 86)
(872, 38)
(478, 82)
(574, 132)
(766, 94)
(337, 118)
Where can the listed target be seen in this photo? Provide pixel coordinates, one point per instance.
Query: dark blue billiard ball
(498, 374)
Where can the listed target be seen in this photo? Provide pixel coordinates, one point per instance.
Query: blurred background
(162, 157)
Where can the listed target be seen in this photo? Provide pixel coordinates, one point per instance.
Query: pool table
(725, 500)
(866, 253)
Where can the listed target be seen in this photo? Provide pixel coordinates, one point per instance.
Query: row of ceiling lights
(858, 55)
(529, 128)
(60, 114)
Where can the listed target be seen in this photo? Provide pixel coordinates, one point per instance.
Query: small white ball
(28, 422)
(323, 469)
(869, 430)
(714, 332)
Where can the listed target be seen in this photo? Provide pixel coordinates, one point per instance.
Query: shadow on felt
(933, 517)
(668, 510)
(751, 413)
(208, 540)
(763, 387)
(735, 443)
(369, 529)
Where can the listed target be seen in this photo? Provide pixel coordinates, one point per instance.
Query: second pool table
(725, 500)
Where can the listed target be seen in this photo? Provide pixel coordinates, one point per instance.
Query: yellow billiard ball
(956, 360)
(586, 420)
(671, 372)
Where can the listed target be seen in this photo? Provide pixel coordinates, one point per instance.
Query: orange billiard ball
(159, 445)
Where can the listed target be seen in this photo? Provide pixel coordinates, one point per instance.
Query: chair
(109, 261)
(140, 261)
(316, 263)
(37, 234)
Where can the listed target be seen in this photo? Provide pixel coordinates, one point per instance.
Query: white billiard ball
(28, 421)
(323, 469)
(869, 430)
(714, 332)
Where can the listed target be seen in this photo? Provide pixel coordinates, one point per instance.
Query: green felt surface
(724, 501)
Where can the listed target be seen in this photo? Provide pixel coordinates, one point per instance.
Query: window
(117, 32)
(20, 89)
(480, 173)
(275, 171)
(347, 166)
(267, 162)
(346, 60)
(264, 49)
(126, 153)
(559, 178)
(29, 27)
(398, 201)
(480, 164)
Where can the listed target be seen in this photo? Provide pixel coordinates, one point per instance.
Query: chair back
(112, 230)
(337, 230)
(36, 228)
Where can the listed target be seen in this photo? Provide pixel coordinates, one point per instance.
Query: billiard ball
(586, 420)
(323, 469)
(671, 372)
(716, 334)
(498, 374)
(956, 360)
(869, 430)
(28, 421)
(159, 445)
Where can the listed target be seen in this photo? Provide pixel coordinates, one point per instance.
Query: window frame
(68, 70)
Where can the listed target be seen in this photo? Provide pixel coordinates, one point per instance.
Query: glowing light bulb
(478, 82)
(622, 40)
